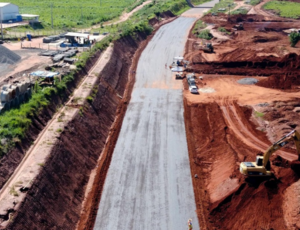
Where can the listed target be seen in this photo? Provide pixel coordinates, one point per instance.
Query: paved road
(149, 183)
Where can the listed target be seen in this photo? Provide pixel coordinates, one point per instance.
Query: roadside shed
(47, 77)
(32, 18)
(78, 38)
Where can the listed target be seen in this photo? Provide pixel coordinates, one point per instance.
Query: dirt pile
(55, 199)
(7, 56)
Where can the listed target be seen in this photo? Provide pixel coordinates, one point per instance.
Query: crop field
(284, 9)
(72, 13)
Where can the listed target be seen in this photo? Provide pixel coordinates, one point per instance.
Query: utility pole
(52, 14)
(1, 23)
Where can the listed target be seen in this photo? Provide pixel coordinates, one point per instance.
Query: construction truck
(207, 48)
(239, 26)
(262, 165)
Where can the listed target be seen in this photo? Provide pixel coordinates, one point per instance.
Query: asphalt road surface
(149, 183)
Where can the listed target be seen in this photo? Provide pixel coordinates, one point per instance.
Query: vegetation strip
(284, 8)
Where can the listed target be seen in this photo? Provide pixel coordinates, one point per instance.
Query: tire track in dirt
(224, 200)
(229, 109)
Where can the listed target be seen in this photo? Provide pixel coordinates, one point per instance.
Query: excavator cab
(254, 168)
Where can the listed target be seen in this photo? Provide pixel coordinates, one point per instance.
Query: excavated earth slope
(222, 125)
(55, 199)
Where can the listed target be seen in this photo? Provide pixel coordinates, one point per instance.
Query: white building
(8, 11)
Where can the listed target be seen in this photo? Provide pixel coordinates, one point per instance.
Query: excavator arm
(292, 136)
(260, 167)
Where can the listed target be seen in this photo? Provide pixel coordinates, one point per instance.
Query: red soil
(223, 130)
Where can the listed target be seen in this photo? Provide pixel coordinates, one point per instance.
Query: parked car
(193, 89)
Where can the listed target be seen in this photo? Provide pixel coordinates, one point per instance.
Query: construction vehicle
(207, 48)
(239, 26)
(262, 165)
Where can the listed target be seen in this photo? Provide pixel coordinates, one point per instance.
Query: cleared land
(229, 123)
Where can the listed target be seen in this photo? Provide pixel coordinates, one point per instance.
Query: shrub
(294, 38)
(223, 30)
(205, 34)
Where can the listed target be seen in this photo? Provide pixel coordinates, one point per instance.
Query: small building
(8, 12)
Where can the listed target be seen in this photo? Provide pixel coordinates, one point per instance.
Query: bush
(239, 11)
(254, 2)
(205, 34)
(198, 26)
(223, 30)
(294, 38)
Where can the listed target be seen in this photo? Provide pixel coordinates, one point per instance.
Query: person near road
(190, 224)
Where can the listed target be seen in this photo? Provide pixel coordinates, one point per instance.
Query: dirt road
(148, 185)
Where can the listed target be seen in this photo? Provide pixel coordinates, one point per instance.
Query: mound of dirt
(265, 39)
(7, 56)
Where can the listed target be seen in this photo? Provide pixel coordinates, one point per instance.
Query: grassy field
(254, 2)
(223, 4)
(284, 8)
(72, 13)
(240, 10)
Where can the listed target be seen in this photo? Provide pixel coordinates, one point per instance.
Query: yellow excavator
(262, 165)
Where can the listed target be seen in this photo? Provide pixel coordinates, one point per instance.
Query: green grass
(222, 4)
(258, 114)
(136, 4)
(223, 30)
(254, 2)
(284, 8)
(59, 130)
(240, 10)
(72, 13)
(198, 2)
(199, 25)
(205, 34)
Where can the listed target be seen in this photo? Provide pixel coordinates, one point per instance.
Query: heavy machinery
(262, 165)
(207, 48)
(239, 26)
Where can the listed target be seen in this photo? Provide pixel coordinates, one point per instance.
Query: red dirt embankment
(261, 49)
(224, 199)
(55, 199)
(221, 134)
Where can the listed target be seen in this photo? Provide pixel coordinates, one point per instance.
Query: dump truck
(262, 166)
